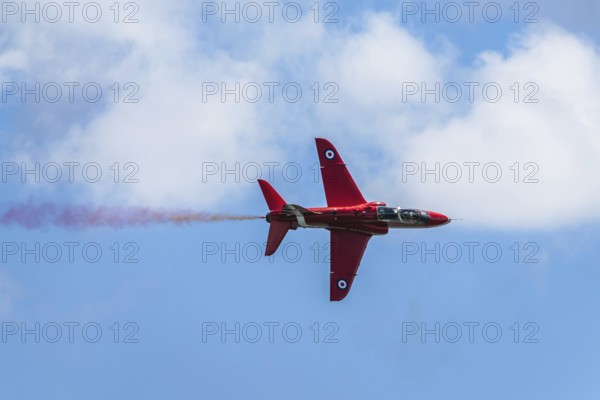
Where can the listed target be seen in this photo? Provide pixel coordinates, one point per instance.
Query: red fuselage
(373, 218)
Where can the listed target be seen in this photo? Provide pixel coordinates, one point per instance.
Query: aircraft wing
(346, 251)
(340, 189)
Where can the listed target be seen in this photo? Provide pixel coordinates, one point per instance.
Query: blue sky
(165, 289)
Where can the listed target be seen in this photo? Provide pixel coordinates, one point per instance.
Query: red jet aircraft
(350, 219)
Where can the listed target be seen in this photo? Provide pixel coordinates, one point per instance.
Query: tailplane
(277, 232)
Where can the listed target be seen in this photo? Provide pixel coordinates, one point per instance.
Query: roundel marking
(342, 284)
(329, 154)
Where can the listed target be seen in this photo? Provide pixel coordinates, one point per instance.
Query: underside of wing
(347, 249)
(340, 188)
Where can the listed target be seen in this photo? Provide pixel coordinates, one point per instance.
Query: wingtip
(336, 298)
(323, 142)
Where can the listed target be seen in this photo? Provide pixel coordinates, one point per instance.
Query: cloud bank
(549, 146)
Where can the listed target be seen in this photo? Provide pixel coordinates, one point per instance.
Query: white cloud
(170, 132)
(560, 133)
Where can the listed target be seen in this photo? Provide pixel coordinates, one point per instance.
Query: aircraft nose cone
(436, 219)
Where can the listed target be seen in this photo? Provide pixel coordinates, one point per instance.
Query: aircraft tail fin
(278, 229)
(273, 199)
(277, 232)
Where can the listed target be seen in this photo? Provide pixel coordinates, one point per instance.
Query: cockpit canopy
(404, 215)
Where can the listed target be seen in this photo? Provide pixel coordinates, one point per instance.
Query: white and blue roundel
(342, 284)
(329, 154)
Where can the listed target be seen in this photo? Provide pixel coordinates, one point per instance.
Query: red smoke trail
(31, 216)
